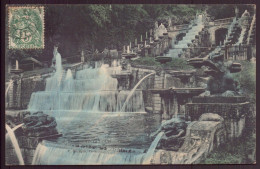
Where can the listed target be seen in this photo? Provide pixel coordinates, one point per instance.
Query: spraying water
(133, 90)
(148, 156)
(53, 83)
(15, 143)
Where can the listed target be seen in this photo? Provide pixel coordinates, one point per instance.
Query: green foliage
(235, 152)
(179, 63)
(226, 11)
(247, 79)
(97, 26)
(146, 61)
(176, 63)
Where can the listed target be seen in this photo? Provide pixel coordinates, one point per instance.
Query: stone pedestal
(14, 92)
(123, 80)
(234, 110)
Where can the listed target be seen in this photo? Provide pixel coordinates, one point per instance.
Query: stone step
(157, 99)
(156, 95)
(157, 108)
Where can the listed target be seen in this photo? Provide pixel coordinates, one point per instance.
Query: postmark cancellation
(26, 27)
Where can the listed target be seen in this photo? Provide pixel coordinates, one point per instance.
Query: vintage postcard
(149, 84)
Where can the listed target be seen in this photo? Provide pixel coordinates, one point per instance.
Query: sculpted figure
(173, 129)
(220, 81)
(39, 124)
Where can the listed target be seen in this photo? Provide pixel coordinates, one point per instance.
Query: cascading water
(78, 156)
(243, 31)
(195, 29)
(251, 29)
(230, 29)
(92, 90)
(84, 106)
(241, 37)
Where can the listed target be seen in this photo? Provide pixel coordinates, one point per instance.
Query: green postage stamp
(26, 27)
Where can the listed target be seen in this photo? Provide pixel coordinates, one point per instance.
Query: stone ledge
(226, 110)
(219, 99)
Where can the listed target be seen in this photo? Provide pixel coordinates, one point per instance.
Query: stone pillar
(82, 56)
(15, 91)
(146, 51)
(237, 12)
(19, 90)
(166, 107)
(212, 37)
(175, 104)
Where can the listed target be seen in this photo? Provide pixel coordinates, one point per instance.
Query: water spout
(15, 143)
(15, 128)
(150, 152)
(133, 90)
(69, 75)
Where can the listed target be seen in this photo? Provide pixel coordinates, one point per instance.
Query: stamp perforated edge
(43, 25)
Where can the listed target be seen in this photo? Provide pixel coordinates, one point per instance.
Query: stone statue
(55, 51)
(220, 81)
(156, 25)
(124, 64)
(156, 30)
(162, 30)
(39, 124)
(169, 22)
(173, 129)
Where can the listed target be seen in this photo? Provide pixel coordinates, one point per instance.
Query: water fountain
(133, 90)
(89, 107)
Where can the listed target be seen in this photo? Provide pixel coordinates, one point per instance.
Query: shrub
(247, 79)
(176, 63)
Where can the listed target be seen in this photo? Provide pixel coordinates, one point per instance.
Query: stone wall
(138, 74)
(30, 85)
(234, 110)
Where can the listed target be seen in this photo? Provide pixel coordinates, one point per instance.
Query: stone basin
(16, 71)
(163, 59)
(129, 55)
(235, 67)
